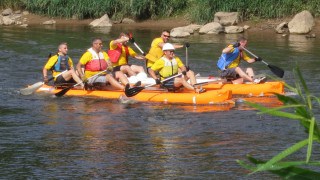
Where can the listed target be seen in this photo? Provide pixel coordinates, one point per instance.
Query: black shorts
(170, 85)
(61, 80)
(229, 74)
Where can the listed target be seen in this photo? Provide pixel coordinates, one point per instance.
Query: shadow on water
(74, 137)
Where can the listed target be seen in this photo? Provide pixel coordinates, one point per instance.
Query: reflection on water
(43, 137)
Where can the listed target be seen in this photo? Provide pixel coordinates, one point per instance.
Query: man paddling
(229, 61)
(169, 65)
(59, 63)
(121, 62)
(94, 61)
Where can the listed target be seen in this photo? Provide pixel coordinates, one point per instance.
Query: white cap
(167, 46)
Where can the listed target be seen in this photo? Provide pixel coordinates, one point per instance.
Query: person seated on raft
(59, 63)
(95, 60)
(120, 63)
(229, 61)
(169, 65)
(155, 51)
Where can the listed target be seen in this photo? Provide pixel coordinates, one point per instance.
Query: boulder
(7, 12)
(49, 22)
(282, 28)
(245, 27)
(127, 21)
(211, 28)
(233, 29)
(179, 32)
(7, 20)
(226, 18)
(184, 31)
(1, 19)
(302, 23)
(104, 21)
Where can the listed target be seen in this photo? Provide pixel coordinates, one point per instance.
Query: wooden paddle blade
(129, 92)
(63, 91)
(31, 89)
(276, 70)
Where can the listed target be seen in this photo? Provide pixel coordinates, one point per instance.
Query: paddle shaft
(174, 76)
(139, 48)
(254, 55)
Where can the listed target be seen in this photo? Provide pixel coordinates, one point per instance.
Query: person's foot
(200, 90)
(137, 84)
(259, 79)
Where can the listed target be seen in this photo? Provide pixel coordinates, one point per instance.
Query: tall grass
(195, 10)
(302, 109)
(15, 4)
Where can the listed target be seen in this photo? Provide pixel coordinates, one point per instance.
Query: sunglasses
(100, 44)
(168, 36)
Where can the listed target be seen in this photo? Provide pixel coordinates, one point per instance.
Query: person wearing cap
(122, 64)
(229, 61)
(155, 51)
(59, 63)
(169, 65)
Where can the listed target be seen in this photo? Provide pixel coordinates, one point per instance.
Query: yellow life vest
(170, 67)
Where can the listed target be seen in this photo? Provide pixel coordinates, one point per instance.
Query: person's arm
(122, 39)
(228, 49)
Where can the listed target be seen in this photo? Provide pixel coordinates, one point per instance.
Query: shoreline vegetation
(167, 13)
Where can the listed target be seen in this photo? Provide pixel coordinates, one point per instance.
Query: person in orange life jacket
(155, 51)
(169, 65)
(93, 61)
(229, 61)
(61, 62)
(126, 51)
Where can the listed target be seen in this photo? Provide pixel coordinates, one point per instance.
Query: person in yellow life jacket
(59, 63)
(229, 62)
(169, 65)
(155, 51)
(93, 61)
(122, 63)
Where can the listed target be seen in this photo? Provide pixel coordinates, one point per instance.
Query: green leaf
(310, 142)
(269, 165)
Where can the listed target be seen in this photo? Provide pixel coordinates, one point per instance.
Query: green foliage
(196, 10)
(302, 110)
(15, 4)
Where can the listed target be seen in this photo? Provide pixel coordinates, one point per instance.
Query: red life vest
(97, 63)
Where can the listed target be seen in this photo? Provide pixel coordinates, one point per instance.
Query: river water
(42, 137)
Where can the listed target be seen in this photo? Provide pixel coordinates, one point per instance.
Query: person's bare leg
(137, 69)
(190, 75)
(127, 70)
(243, 74)
(114, 82)
(122, 78)
(250, 72)
(72, 74)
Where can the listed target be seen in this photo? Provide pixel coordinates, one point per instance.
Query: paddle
(218, 80)
(131, 39)
(65, 90)
(31, 89)
(187, 46)
(135, 90)
(276, 70)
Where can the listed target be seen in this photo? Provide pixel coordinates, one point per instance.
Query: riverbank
(168, 23)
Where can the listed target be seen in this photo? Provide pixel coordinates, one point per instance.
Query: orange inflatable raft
(211, 96)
